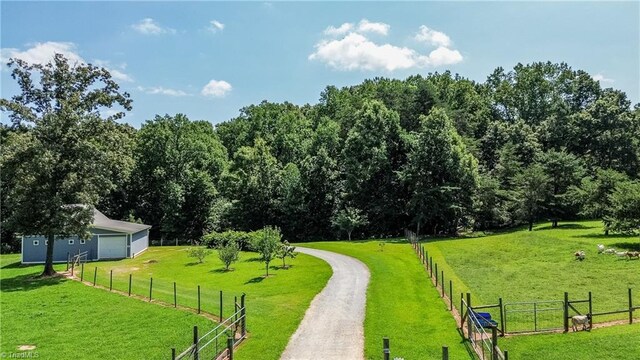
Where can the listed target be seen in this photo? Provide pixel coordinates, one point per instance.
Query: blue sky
(209, 59)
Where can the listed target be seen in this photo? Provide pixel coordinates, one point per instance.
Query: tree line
(436, 153)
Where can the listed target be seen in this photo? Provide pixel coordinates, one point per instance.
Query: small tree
(229, 253)
(267, 244)
(625, 208)
(286, 250)
(348, 219)
(532, 192)
(199, 253)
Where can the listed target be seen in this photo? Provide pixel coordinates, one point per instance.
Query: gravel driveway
(332, 327)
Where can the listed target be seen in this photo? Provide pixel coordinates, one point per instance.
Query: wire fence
(220, 341)
(216, 303)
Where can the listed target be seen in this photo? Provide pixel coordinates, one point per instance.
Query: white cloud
(148, 26)
(42, 53)
(159, 90)
(433, 37)
(215, 26)
(336, 31)
(216, 88)
(355, 51)
(442, 56)
(601, 78)
(376, 27)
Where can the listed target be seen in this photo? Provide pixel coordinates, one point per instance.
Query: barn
(111, 239)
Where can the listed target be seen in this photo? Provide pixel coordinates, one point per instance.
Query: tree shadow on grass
(29, 282)
(193, 263)
(255, 280)
(253, 259)
(604, 237)
(222, 270)
(16, 265)
(570, 226)
(628, 246)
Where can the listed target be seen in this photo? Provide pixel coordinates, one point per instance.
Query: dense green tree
(625, 208)
(252, 183)
(441, 175)
(371, 156)
(178, 164)
(70, 155)
(491, 204)
(564, 171)
(593, 195)
(531, 193)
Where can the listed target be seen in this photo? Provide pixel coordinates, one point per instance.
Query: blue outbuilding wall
(139, 242)
(32, 253)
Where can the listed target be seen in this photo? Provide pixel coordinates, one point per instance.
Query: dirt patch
(26, 347)
(152, 261)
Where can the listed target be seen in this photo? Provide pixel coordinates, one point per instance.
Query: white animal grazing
(580, 255)
(584, 320)
(621, 254)
(610, 251)
(600, 248)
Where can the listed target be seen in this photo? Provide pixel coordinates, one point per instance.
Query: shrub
(199, 253)
(284, 251)
(229, 253)
(267, 243)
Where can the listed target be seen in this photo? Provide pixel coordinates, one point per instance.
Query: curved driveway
(332, 327)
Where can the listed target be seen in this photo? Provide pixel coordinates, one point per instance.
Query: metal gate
(534, 316)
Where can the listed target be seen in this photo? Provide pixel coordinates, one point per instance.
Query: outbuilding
(111, 239)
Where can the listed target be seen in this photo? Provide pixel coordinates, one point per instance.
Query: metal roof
(101, 221)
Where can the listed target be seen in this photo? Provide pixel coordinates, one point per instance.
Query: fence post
(173, 353)
(175, 296)
(82, 272)
(506, 355)
(95, 275)
(72, 267)
(243, 328)
(198, 299)
(436, 276)
(230, 347)
(494, 343)
(68, 260)
(195, 343)
(450, 295)
(630, 308)
(445, 352)
(501, 316)
(110, 279)
(129, 284)
(386, 353)
(431, 267)
(468, 318)
(590, 312)
(220, 305)
(566, 312)
(150, 287)
(442, 282)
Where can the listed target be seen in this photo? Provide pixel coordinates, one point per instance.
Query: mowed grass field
(401, 303)
(275, 305)
(524, 266)
(64, 319)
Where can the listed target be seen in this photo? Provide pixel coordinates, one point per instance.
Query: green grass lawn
(275, 305)
(539, 265)
(401, 303)
(67, 320)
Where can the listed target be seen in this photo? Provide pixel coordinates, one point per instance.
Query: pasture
(540, 265)
(275, 305)
(64, 319)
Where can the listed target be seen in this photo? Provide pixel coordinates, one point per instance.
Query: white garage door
(112, 247)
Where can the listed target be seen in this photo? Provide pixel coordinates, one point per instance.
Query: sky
(210, 59)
